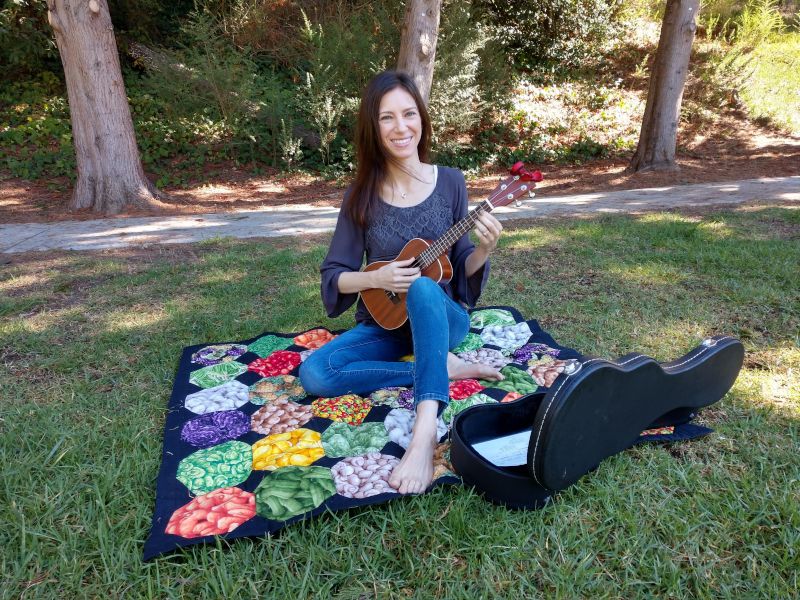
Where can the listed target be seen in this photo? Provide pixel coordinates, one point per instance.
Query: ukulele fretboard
(450, 237)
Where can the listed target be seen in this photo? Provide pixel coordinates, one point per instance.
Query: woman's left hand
(487, 230)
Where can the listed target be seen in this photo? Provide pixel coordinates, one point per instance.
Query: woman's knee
(315, 376)
(423, 290)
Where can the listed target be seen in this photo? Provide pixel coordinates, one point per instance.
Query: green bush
(214, 92)
(469, 77)
(152, 21)
(276, 83)
(538, 33)
(26, 41)
(730, 53)
(36, 136)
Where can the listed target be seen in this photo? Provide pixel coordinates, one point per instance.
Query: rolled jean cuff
(442, 400)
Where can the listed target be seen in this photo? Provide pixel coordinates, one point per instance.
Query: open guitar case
(593, 410)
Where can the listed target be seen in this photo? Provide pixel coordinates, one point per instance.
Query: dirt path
(307, 220)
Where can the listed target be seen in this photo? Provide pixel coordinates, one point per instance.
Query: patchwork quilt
(247, 451)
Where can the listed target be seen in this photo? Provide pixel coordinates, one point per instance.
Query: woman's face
(400, 124)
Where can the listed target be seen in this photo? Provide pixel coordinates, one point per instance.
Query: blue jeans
(365, 358)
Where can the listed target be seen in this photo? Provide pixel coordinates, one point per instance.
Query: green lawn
(89, 344)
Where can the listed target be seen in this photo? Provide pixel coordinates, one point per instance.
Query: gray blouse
(389, 230)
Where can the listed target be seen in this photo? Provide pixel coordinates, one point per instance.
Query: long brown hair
(371, 156)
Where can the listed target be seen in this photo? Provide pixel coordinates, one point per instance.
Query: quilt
(247, 452)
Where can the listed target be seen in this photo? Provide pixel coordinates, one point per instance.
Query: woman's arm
(353, 282)
(488, 230)
(475, 261)
(345, 257)
(396, 277)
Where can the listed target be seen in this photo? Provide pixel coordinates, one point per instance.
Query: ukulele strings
(424, 260)
(432, 252)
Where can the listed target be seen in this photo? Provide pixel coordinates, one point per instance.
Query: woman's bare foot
(414, 473)
(461, 369)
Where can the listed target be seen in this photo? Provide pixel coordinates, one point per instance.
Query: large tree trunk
(659, 135)
(110, 174)
(418, 42)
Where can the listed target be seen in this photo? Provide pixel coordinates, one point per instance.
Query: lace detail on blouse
(392, 227)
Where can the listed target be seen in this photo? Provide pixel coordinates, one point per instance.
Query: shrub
(469, 76)
(731, 45)
(36, 137)
(26, 42)
(537, 33)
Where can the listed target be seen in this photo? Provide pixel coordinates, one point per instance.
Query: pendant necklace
(403, 195)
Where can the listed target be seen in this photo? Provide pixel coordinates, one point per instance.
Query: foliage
(36, 136)
(771, 90)
(205, 73)
(470, 78)
(759, 20)
(539, 33)
(148, 20)
(554, 120)
(26, 42)
(732, 55)
(265, 83)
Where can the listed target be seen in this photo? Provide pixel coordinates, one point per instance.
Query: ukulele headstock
(518, 170)
(512, 189)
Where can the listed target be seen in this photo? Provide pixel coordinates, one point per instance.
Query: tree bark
(418, 42)
(659, 135)
(110, 174)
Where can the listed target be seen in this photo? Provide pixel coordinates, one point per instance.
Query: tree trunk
(110, 174)
(418, 42)
(659, 135)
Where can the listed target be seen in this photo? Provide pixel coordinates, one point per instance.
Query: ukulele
(388, 309)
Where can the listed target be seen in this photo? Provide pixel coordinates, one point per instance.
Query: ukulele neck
(451, 236)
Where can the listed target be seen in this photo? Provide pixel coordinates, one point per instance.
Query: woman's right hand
(396, 276)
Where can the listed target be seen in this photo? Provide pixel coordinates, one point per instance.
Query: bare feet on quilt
(461, 369)
(414, 473)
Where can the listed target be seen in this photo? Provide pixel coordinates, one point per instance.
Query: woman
(396, 196)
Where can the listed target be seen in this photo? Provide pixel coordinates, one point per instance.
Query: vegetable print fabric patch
(247, 452)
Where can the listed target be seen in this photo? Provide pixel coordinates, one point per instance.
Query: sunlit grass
(89, 344)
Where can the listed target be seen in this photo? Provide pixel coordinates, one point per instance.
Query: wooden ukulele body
(389, 309)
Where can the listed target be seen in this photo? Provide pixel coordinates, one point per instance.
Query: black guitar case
(594, 410)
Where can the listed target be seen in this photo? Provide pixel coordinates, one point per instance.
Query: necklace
(403, 194)
(396, 191)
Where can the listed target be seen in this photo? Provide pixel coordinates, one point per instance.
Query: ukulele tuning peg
(518, 203)
(531, 194)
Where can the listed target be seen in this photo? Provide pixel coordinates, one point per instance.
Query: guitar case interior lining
(595, 411)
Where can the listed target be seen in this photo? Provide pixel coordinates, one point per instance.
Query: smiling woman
(398, 196)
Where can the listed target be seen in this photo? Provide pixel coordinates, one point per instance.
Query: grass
(89, 343)
(773, 89)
